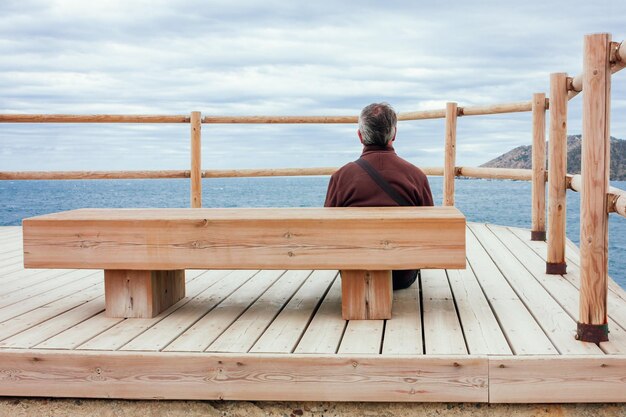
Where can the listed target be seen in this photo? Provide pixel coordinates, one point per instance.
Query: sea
(500, 202)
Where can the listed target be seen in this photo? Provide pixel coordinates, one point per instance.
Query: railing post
(196, 153)
(557, 171)
(538, 231)
(596, 143)
(449, 169)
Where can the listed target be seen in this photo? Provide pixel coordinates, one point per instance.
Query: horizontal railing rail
(524, 106)
(466, 172)
(618, 62)
(616, 197)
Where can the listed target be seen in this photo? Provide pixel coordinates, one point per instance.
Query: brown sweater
(351, 186)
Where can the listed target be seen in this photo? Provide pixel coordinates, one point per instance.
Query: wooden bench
(144, 252)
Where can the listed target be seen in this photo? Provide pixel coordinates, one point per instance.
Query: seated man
(380, 177)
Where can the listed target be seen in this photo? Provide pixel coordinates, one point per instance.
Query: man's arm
(427, 195)
(331, 193)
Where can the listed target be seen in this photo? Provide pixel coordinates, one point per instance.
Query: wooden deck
(499, 331)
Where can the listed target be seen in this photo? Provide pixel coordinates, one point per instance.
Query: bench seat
(137, 247)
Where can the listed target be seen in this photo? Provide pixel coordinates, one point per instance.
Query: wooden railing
(601, 59)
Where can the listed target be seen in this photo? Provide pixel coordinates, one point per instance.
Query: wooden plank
(125, 331)
(10, 237)
(276, 238)
(362, 337)
(11, 257)
(45, 312)
(524, 335)
(74, 336)
(557, 379)
(55, 325)
(142, 294)
(10, 230)
(27, 277)
(286, 330)
(366, 295)
(243, 333)
(443, 334)
(83, 331)
(11, 269)
(403, 333)
(616, 305)
(482, 332)
(557, 157)
(204, 332)
(572, 256)
(325, 331)
(43, 285)
(553, 319)
(10, 244)
(242, 377)
(12, 311)
(562, 289)
(12, 265)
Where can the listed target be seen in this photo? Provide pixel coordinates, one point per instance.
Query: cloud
(281, 58)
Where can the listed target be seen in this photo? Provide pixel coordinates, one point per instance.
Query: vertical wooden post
(366, 295)
(592, 326)
(449, 169)
(557, 171)
(538, 231)
(141, 294)
(196, 153)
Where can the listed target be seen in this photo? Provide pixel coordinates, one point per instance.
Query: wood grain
(449, 170)
(561, 288)
(242, 377)
(557, 166)
(277, 238)
(156, 332)
(403, 333)
(142, 294)
(326, 329)
(196, 160)
(443, 334)
(91, 118)
(539, 163)
(284, 333)
(556, 379)
(481, 330)
(495, 173)
(248, 328)
(226, 311)
(553, 319)
(366, 295)
(596, 153)
(524, 335)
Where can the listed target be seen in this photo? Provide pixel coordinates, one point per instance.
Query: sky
(282, 58)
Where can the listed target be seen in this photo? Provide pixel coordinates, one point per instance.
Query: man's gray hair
(377, 124)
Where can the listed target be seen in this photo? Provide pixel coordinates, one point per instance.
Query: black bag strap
(382, 183)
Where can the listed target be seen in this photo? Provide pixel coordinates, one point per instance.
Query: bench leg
(142, 294)
(366, 295)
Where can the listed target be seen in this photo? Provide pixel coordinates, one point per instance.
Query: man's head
(377, 124)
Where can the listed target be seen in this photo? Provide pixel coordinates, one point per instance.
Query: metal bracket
(556, 268)
(595, 333)
(538, 235)
(614, 55)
